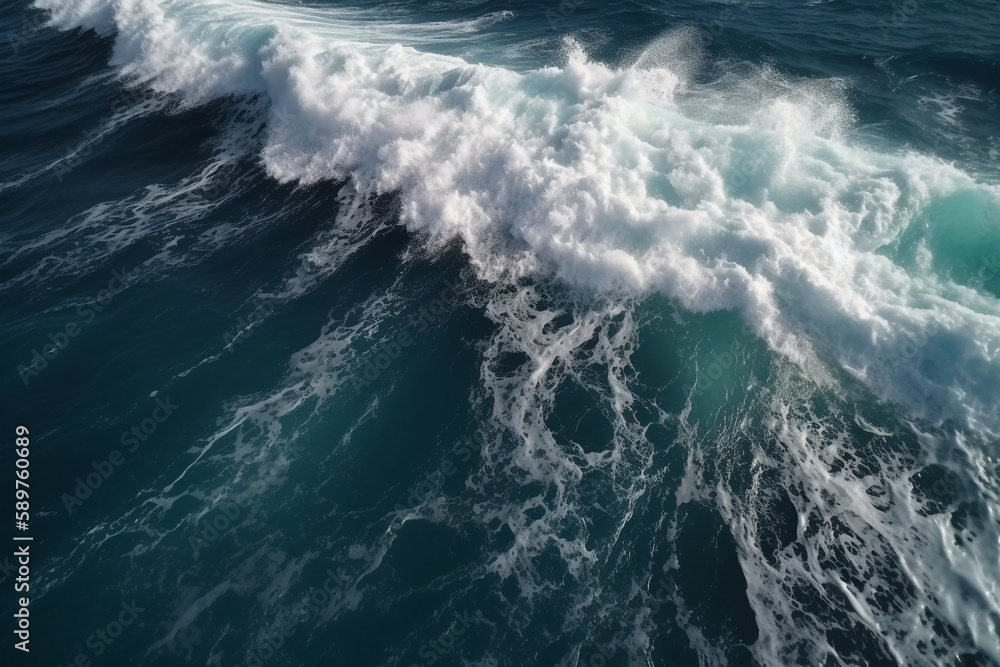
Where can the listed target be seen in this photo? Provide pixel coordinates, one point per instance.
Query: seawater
(506, 334)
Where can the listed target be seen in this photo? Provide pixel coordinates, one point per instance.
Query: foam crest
(596, 175)
(603, 178)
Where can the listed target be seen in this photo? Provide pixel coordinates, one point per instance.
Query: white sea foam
(608, 179)
(617, 183)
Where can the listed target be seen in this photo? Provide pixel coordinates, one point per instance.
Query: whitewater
(593, 200)
(743, 195)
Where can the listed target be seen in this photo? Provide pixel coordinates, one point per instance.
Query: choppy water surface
(506, 334)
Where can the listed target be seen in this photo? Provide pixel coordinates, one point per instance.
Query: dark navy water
(503, 334)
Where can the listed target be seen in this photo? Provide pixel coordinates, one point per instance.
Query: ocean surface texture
(558, 333)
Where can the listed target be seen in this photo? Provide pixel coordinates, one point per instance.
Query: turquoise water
(505, 334)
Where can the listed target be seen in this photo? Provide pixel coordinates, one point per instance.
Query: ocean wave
(611, 180)
(748, 192)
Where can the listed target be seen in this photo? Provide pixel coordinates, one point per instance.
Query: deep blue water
(504, 334)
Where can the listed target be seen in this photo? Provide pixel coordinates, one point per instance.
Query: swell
(743, 193)
(609, 187)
